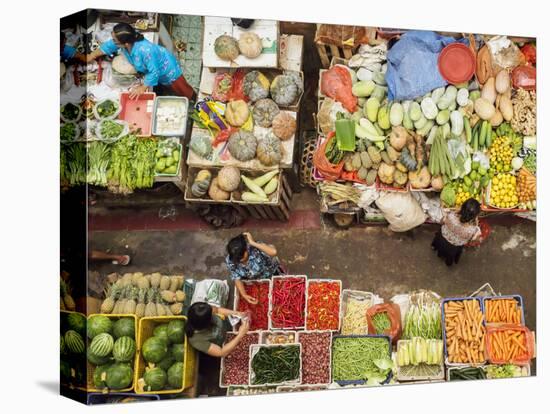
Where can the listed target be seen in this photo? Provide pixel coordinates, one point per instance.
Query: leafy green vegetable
(98, 161)
(530, 162)
(110, 129)
(503, 371)
(76, 162)
(448, 196)
(70, 111)
(381, 322)
(67, 131)
(107, 108)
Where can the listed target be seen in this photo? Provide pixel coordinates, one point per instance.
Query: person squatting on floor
(457, 230)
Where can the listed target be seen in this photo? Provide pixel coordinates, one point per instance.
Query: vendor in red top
(249, 260)
(159, 66)
(457, 230)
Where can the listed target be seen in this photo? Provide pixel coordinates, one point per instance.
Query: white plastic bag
(212, 291)
(401, 210)
(456, 147)
(430, 205)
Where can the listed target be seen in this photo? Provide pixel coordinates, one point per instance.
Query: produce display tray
(91, 368)
(339, 283)
(271, 327)
(404, 372)
(179, 168)
(146, 326)
(518, 298)
(101, 398)
(222, 368)
(188, 195)
(236, 390)
(344, 383)
(329, 353)
(445, 300)
(265, 334)
(357, 295)
(138, 113)
(273, 198)
(254, 350)
(184, 102)
(302, 387)
(236, 298)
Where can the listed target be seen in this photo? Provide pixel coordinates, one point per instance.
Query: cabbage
(448, 195)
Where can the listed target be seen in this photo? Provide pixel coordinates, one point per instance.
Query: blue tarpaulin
(412, 64)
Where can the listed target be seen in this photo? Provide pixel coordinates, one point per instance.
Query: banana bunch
(417, 351)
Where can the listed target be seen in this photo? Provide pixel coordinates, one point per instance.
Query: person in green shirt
(206, 329)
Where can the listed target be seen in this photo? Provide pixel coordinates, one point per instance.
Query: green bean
(353, 358)
(274, 365)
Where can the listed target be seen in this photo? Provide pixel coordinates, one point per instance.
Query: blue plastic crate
(445, 300)
(344, 383)
(516, 297)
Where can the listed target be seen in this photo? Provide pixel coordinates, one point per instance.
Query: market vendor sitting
(247, 260)
(206, 328)
(69, 53)
(457, 230)
(159, 66)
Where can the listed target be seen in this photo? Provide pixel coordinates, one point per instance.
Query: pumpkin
(270, 151)
(226, 47)
(216, 193)
(201, 145)
(256, 85)
(284, 126)
(286, 88)
(250, 45)
(229, 178)
(201, 183)
(265, 110)
(121, 65)
(242, 145)
(236, 113)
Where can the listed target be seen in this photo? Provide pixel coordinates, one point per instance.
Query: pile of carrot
(464, 331)
(508, 345)
(502, 311)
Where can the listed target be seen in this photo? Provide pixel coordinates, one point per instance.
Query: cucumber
(468, 129)
(483, 134)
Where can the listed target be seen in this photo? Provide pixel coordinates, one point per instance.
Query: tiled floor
(189, 29)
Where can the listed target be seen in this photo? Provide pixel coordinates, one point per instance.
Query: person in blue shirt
(248, 259)
(158, 65)
(68, 52)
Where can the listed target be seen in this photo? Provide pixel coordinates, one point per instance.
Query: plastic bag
(504, 53)
(223, 82)
(323, 165)
(456, 147)
(525, 77)
(237, 83)
(212, 291)
(394, 314)
(336, 84)
(523, 358)
(482, 158)
(430, 205)
(401, 210)
(67, 81)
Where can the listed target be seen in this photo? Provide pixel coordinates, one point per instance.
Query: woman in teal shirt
(159, 66)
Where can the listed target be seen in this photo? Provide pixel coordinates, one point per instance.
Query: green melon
(102, 345)
(167, 362)
(124, 349)
(119, 376)
(100, 374)
(65, 370)
(124, 327)
(176, 331)
(161, 331)
(154, 349)
(99, 324)
(175, 375)
(155, 379)
(97, 360)
(177, 351)
(77, 322)
(74, 342)
(62, 346)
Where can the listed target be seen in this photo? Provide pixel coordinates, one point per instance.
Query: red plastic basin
(138, 112)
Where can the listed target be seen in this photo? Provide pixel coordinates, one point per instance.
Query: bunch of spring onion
(64, 176)
(99, 154)
(76, 163)
(423, 321)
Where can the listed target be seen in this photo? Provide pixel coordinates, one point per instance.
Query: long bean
(277, 364)
(353, 358)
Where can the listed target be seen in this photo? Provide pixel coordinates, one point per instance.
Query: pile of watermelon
(111, 351)
(73, 349)
(163, 353)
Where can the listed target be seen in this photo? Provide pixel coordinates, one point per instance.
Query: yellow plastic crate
(91, 368)
(146, 327)
(70, 385)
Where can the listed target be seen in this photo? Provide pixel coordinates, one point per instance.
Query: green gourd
(201, 183)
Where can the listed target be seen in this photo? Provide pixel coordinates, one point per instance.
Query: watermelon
(119, 376)
(161, 331)
(167, 362)
(155, 379)
(154, 349)
(100, 374)
(176, 331)
(77, 322)
(175, 375)
(62, 347)
(102, 344)
(124, 349)
(99, 324)
(97, 360)
(65, 370)
(124, 327)
(177, 352)
(74, 342)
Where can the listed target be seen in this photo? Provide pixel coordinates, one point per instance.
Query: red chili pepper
(530, 52)
(288, 302)
(323, 306)
(258, 313)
